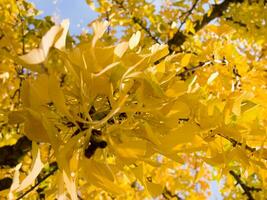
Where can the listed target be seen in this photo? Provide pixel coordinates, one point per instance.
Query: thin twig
(147, 30)
(167, 193)
(187, 70)
(218, 9)
(236, 143)
(39, 182)
(247, 189)
(188, 13)
(138, 21)
(22, 29)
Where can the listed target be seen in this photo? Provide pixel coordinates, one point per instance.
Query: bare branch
(138, 21)
(179, 37)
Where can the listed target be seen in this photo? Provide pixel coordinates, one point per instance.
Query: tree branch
(247, 189)
(217, 11)
(179, 37)
(54, 167)
(167, 194)
(147, 30)
(236, 143)
(138, 21)
(183, 74)
(188, 13)
(22, 27)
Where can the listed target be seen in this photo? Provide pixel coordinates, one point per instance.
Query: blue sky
(79, 13)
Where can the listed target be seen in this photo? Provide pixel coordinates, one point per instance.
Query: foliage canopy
(155, 102)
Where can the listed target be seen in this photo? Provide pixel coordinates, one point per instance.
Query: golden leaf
(134, 40)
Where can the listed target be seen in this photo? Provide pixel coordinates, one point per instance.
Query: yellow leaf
(70, 185)
(106, 69)
(15, 182)
(25, 94)
(101, 60)
(34, 128)
(177, 109)
(240, 154)
(35, 56)
(154, 189)
(64, 155)
(138, 172)
(52, 133)
(100, 170)
(99, 29)
(259, 163)
(180, 135)
(56, 95)
(66, 152)
(100, 85)
(189, 26)
(186, 59)
(116, 74)
(158, 52)
(212, 77)
(49, 39)
(131, 149)
(160, 70)
(151, 87)
(36, 168)
(177, 89)
(174, 157)
(247, 106)
(39, 55)
(173, 25)
(210, 11)
(120, 49)
(61, 194)
(38, 94)
(151, 135)
(60, 43)
(134, 40)
(100, 175)
(216, 160)
(16, 117)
